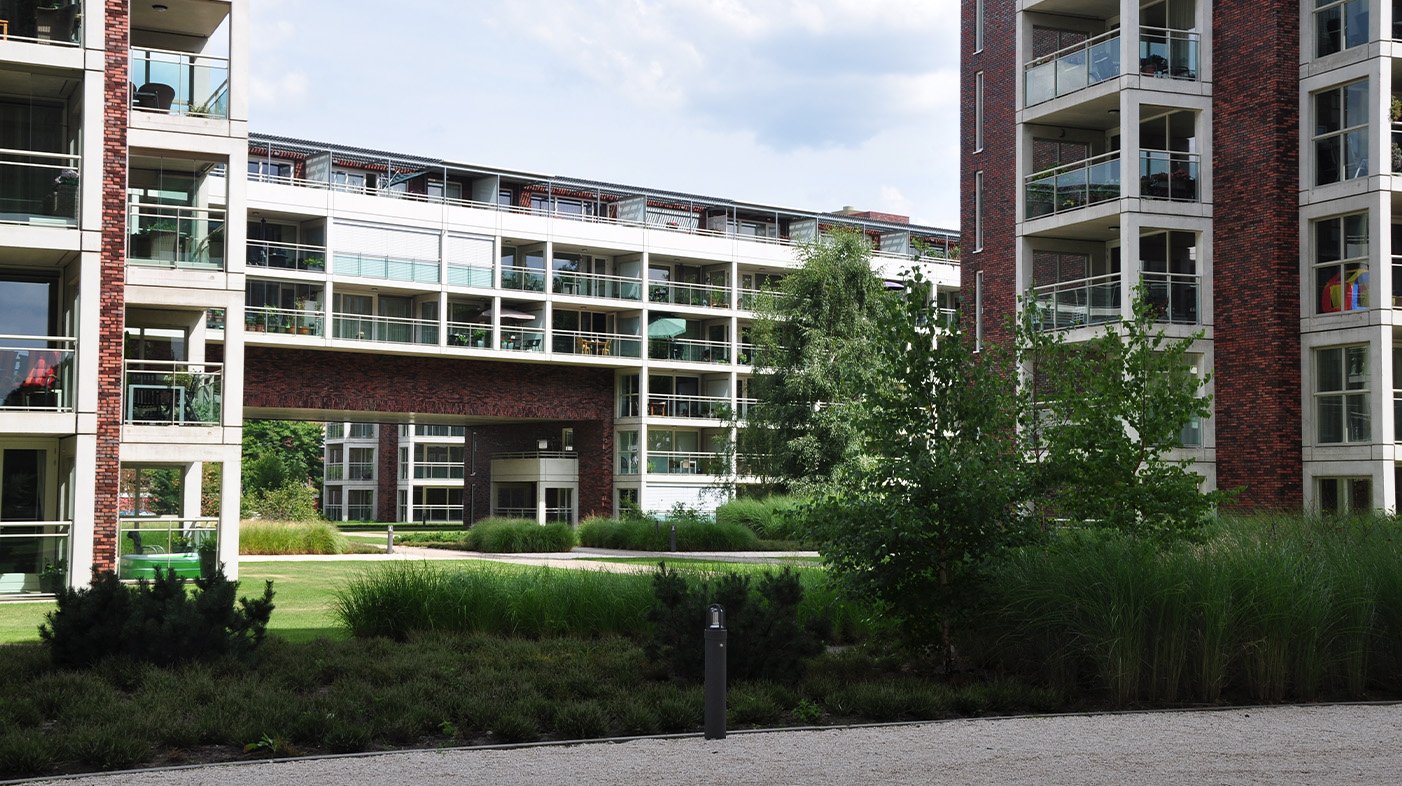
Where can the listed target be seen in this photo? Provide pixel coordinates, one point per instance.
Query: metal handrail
(1066, 50)
(682, 406)
(536, 454)
(685, 293)
(268, 319)
(615, 287)
(693, 350)
(585, 342)
(394, 330)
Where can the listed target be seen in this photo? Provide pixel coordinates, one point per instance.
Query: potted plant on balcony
(479, 337)
(65, 196)
(252, 323)
(314, 263)
(53, 576)
(157, 239)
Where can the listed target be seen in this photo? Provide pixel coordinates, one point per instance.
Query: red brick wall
(998, 161)
(534, 400)
(387, 472)
(112, 310)
(1255, 256)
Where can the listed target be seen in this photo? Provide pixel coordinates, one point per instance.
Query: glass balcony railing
(523, 339)
(469, 276)
(55, 22)
(33, 556)
(690, 350)
(525, 279)
(673, 462)
(685, 294)
(188, 547)
(676, 406)
(1171, 175)
(419, 271)
(289, 321)
(576, 342)
(174, 393)
(286, 256)
(596, 285)
(1072, 68)
(1073, 186)
(36, 373)
(469, 334)
(437, 470)
(176, 236)
(1174, 297)
(1168, 53)
(39, 188)
(179, 83)
(1072, 304)
(393, 330)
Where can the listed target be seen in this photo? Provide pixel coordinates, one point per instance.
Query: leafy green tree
(813, 359)
(1107, 413)
(939, 491)
(296, 445)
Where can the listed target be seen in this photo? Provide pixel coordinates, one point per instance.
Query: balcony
(1165, 174)
(469, 334)
(576, 342)
(173, 393)
(1073, 186)
(286, 256)
(176, 236)
(286, 321)
(674, 462)
(418, 271)
(596, 285)
(1072, 68)
(523, 339)
(393, 330)
(687, 294)
(1168, 53)
(525, 279)
(1078, 303)
(179, 83)
(42, 22)
(36, 373)
(39, 188)
(33, 556)
(690, 350)
(187, 547)
(677, 406)
(437, 470)
(1173, 296)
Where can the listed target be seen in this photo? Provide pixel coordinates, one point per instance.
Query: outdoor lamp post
(715, 636)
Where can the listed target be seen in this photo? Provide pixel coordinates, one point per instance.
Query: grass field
(710, 564)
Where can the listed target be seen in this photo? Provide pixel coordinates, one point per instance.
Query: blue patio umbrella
(666, 327)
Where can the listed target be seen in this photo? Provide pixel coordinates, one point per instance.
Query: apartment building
(1237, 158)
(650, 292)
(117, 125)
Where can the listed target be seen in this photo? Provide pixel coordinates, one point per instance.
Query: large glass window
(627, 452)
(1341, 264)
(1343, 496)
(1341, 394)
(1341, 133)
(1339, 25)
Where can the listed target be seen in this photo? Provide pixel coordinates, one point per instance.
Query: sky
(804, 104)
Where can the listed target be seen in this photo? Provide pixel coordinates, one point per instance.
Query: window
(1168, 264)
(1397, 396)
(263, 169)
(1341, 264)
(360, 504)
(1191, 435)
(335, 430)
(1339, 25)
(978, 112)
(1341, 133)
(361, 465)
(977, 210)
(628, 396)
(363, 431)
(978, 311)
(1344, 495)
(978, 25)
(1341, 394)
(627, 452)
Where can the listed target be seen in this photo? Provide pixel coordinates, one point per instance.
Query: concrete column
(192, 488)
(231, 490)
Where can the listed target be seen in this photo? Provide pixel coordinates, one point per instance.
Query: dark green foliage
(655, 535)
(510, 536)
(770, 518)
(766, 638)
(279, 452)
(25, 752)
(155, 621)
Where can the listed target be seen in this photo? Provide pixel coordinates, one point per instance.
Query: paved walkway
(1356, 744)
(579, 558)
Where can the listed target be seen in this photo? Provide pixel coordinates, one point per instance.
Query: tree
(297, 447)
(813, 359)
(1108, 412)
(939, 489)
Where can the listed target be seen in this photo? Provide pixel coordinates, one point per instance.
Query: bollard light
(672, 542)
(389, 539)
(715, 636)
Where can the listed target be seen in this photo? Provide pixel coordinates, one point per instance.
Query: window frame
(1342, 396)
(1324, 6)
(1343, 133)
(1341, 265)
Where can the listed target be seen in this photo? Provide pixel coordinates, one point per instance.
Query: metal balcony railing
(436, 470)
(1164, 52)
(179, 236)
(675, 406)
(39, 188)
(1072, 68)
(179, 83)
(575, 342)
(1165, 174)
(394, 330)
(173, 393)
(525, 279)
(286, 256)
(263, 319)
(419, 271)
(523, 339)
(1085, 301)
(596, 285)
(690, 350)
(36, 373)
(168, 543)
(38, 556)
(674, 462)
(52, 22)
(1073, 186)
(685, 294)
(1174, 296)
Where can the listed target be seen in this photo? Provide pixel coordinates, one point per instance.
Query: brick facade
(1256, 144)
(532, 401)
(112, 309)
(997, 161)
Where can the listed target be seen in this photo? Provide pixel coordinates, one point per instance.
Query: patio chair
(155, 95)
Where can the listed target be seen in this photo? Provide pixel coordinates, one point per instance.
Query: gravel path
(1357, 744)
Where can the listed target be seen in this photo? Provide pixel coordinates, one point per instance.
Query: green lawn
(709, 564)
(305, 593)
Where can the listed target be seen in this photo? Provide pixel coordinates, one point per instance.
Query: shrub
(155, 621)
(772, 518)
(653, 535)
(766, 641)
(290, 502)
(291, 537)
(510, 536)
